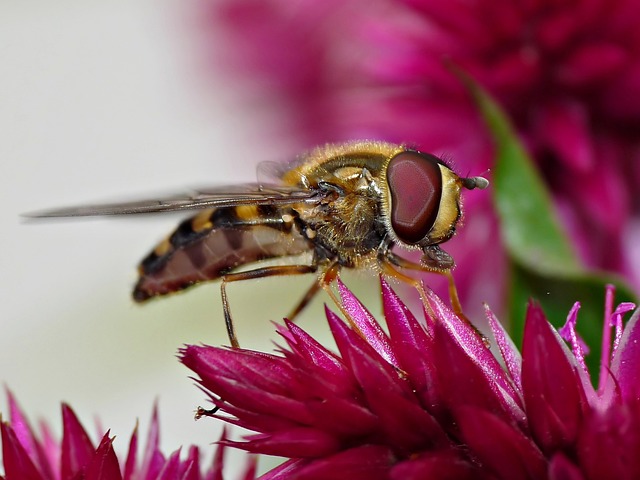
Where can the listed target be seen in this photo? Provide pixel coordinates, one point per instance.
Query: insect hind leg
(257, 273)
(313, 290)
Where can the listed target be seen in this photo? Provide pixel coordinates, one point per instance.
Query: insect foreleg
(398, 261)
(387, 262)
(248, 275)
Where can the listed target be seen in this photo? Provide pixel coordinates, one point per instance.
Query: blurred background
(110, 101)
(122, 100)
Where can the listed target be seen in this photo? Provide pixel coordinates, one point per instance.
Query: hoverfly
(347, 204)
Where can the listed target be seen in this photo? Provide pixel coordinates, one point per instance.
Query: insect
(347, 204)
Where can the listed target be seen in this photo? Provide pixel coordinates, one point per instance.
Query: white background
(105, 100)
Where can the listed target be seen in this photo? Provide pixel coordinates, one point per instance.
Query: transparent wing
(250, 194)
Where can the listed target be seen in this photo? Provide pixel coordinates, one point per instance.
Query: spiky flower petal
(27, 456)
(429, 398)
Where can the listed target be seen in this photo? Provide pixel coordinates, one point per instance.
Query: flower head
(27, 456)
(418, 402)
(567, 73)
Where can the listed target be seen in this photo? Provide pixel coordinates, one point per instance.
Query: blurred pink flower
(567, 73)
(27, 456)
(419, 401)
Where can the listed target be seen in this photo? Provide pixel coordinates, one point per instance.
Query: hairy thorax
(347, 229)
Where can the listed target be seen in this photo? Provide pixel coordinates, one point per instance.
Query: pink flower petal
(593, 62)
(132, 454)
(77, 449)
(568, 332)
(506, 451)
(342, 416)
(625, 366)
(508, 350)
(462, 381)
(616, 321)
(191, 465)
(554, 399)
(171, 468)
(294, 442)
(310, 350)
(474, 348)
(440, 464)
(104, 464)
(561, 468)
(403, 421)
(579, 349)
(17, 463)
(412, 344)
(348, 340)
(563, 128)
(153, 459)
(367, 324)
(368, 462)
(35, 449)
(218, 457)
(615, 432)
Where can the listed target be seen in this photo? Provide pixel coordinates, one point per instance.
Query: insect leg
(398, 261)
(326, 279)
(248, 275)
(313, 290)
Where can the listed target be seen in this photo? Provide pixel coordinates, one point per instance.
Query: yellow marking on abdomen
(163, 247)
(247, 212)
(202, 221)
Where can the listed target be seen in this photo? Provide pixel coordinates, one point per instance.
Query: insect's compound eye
(415, 185)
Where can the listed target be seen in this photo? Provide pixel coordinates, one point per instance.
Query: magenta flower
(27, 456)
(567, 73)
(430, 400)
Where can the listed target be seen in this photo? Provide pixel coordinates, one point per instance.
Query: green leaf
(544, 265)
(529, 225)
(557, 294)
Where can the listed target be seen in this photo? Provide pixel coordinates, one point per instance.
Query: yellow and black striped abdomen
(215, 242)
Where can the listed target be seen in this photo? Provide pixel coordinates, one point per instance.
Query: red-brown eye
(415, 183)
